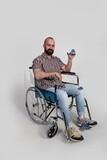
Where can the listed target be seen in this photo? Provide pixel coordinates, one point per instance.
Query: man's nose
(51, 46)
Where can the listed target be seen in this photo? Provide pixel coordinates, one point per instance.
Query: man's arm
(67, 67)
(38, 74)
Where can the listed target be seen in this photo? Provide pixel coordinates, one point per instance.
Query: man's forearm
(40, 74)
(68, 66)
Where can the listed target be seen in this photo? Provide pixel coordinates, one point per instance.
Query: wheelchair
(40, 105)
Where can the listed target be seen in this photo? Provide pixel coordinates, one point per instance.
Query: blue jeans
(62, 97)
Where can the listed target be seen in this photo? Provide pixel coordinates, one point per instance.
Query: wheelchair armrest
(71, 74)
(68, 73)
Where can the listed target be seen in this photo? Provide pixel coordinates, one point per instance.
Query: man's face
(49, 46)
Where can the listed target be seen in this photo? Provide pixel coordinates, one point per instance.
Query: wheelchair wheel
(52, 130)
(36, 105)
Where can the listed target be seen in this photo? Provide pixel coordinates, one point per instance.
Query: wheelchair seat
(49, 96)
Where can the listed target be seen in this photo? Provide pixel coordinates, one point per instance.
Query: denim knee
(79, 90)
(61, 95)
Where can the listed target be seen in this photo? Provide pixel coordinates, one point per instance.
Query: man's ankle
(81, 117)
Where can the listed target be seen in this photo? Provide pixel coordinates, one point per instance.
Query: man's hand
(70, 56)
(58, 76)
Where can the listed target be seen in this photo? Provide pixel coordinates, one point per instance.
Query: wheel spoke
(36, 106)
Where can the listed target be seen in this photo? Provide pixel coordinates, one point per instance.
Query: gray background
(74, 24)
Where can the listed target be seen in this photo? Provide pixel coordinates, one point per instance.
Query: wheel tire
(52, 131)
(36, 105)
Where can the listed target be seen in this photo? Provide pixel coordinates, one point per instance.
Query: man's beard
(49, 51)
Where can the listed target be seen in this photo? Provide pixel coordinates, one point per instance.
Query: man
(45, 67)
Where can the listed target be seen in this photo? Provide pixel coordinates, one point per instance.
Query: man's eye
(49, 45)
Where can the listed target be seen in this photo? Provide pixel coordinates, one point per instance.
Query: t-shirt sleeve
(37, 64)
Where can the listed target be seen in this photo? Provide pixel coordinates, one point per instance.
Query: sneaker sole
(90, 125)
(72, 139)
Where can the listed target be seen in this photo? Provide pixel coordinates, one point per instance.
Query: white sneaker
(73, 135)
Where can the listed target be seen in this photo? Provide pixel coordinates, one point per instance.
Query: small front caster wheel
(52, 131)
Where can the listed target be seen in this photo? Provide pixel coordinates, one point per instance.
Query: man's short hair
(47, 39)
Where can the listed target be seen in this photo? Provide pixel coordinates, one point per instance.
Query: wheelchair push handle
(30, 67)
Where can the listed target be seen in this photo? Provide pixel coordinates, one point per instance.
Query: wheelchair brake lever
(55, 88)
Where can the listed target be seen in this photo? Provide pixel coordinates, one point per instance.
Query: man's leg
(62, 98)
(77, 92)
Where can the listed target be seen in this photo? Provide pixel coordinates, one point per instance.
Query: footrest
(85, 127)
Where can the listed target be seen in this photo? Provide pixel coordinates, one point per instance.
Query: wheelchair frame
(41, 103)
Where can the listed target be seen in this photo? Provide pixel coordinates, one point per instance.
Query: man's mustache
(50, 50)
